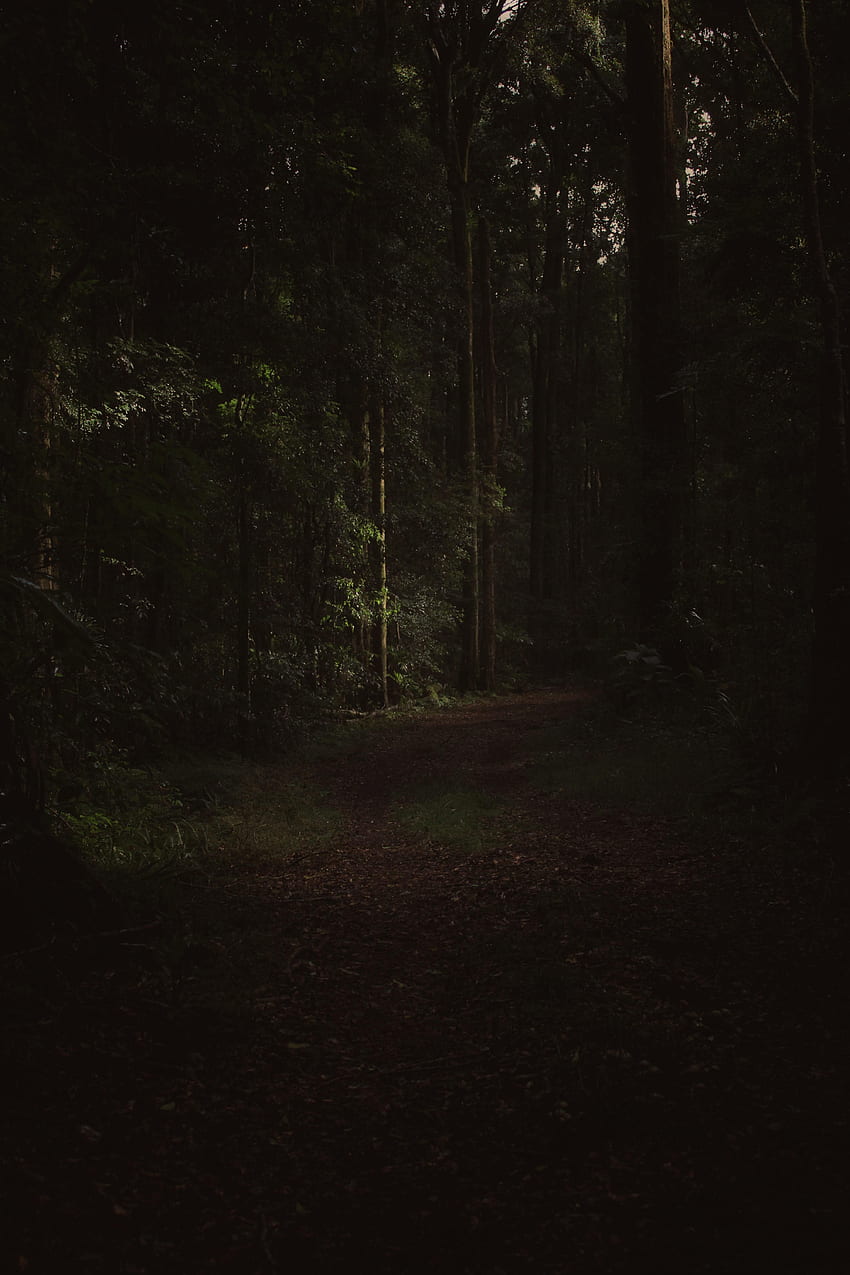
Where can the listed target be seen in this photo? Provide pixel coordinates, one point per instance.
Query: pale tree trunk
(363, 446)
(377, 460)
(371, 633)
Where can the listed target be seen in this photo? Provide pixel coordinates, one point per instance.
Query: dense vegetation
(359, 352)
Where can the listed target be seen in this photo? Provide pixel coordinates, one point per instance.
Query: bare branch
(767, 53)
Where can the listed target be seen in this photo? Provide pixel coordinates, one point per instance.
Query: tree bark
(489, 459)
(658, 406)
(458, 42)
(243, 604)
(830, 682)
(546, 354)
(377, 458)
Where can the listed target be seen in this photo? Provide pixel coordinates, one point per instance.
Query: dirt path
(486, 1029)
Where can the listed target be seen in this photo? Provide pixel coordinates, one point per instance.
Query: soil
(566, 1039)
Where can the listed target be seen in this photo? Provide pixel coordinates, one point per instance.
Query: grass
(462, 817)
(147, 832)
(270, 820)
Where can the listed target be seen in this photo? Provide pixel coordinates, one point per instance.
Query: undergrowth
(461, 817)
(148, 832)
(678, 750)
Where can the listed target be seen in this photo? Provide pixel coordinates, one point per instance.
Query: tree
(653, 239)
(831, 683)
(464, 50)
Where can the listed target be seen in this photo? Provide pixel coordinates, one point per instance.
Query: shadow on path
(488, 1029)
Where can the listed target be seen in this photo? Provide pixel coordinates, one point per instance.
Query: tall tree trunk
(461, 217)
(579, 510)
(546, 356)
(377, 457)
(243, 600)
(489, 458)
(26, 490)
(458, 37)
(655, 321)
(39, 409)
(361, 429)
(830, 681)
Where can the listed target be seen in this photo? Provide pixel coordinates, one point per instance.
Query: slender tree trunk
(655, 321)
(33, 537)
(457, 43)
(30, 530)
(489, 460)
(580, 513)
(377, 453)
(243, 602)
(461, 216)
(363, 458)
(544, 400)
(830, 681)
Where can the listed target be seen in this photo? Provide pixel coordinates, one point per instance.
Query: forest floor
(487, 1019)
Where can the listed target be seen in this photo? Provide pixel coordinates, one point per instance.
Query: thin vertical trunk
(489, 458)
(243, 601)
(544, 401)
(361, 442)
(377, 452)
(457, 40)
(655, 321)
(30, 528)
(463, 261)
(830, 682)
(35, 494)
(579, 514)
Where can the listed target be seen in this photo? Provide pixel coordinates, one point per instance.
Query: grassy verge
(463, 818)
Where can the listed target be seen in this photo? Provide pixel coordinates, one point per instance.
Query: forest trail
(486, 1026)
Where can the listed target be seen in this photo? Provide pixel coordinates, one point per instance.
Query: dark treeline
(356, 351)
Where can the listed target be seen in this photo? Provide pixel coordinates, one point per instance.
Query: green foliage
(641, 677)
(149, 832)
(461, 818)
(421, 621)
(228, 259)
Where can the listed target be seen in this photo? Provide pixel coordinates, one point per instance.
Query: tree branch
(584, 59)
(766, 51)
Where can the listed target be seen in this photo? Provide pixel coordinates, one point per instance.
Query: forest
(356, 352)
(363, 358)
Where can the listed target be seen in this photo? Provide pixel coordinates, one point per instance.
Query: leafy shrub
(641, 677)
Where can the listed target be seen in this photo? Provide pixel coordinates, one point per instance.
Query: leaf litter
(573, 1039)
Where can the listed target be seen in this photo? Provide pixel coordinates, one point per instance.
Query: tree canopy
(353, 352)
